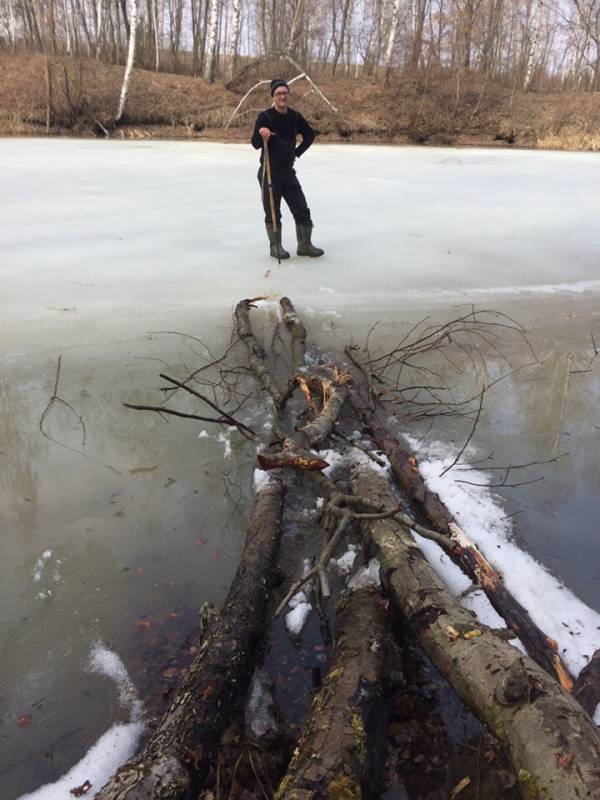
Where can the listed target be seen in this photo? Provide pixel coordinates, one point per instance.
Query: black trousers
(287, 186)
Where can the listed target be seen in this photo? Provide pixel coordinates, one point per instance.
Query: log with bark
(541, 647)
(340, 750)
(180, 752)
(552, 743)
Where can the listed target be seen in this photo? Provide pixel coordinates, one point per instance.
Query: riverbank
(78, 97)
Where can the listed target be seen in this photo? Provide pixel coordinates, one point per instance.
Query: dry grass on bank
(436, 108)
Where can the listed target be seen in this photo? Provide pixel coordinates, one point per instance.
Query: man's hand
(265, 133)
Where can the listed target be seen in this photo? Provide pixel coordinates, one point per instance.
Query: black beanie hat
(276, 83)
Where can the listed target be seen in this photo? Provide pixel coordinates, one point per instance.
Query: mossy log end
(552, 743)
(470, 559)
(179, 754)
(342, 745)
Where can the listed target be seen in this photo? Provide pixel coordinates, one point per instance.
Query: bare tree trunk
(295, 26)
(533, 47)
(209, 68)
(133, 20)
(99, 27)
(389, 50)
(342, 36)
(235, 36)
(154, 4)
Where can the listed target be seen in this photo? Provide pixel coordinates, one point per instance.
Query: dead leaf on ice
(79, 791)
(452, 633)
(459, 787)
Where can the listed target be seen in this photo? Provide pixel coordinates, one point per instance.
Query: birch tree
(133, 25)
(213, 24)
(235, 36)
(533, 46)
(389, 50)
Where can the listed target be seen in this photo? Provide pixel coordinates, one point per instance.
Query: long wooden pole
(267, 174)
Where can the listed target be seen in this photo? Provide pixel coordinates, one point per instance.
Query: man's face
(281, 98)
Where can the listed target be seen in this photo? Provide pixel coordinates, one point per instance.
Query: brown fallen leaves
(459, 787)
(79, 791)
(564, 760)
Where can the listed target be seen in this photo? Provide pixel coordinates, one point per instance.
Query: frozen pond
(105, 246)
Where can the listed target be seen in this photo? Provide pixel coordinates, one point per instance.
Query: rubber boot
(305, 246)
(276, 250)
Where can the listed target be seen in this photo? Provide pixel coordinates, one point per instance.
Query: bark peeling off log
(342, 743)
(552, 743)
(471, 560)
(180, 752)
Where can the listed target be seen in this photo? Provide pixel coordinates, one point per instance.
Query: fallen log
(542, 648)
(180, 752)
(552, 743)
(342, 745)
(587, 685)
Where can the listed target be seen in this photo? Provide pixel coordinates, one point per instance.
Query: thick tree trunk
(179, 754)
(540, 647)
(552, 743)
(342, 745)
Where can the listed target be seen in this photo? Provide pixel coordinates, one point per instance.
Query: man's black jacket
(282, 146)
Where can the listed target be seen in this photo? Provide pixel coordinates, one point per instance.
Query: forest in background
(522, 72)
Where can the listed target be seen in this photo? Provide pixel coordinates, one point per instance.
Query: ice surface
(110, 751)
(113, 748)
(104, 242)
(554, 608)
(40, 564)
(597, 715)
(184, 231)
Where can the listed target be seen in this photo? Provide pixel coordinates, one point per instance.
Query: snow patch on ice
(113, 748)
(553, 607)
(299, 605)
(326, 289)
(259, 716)
(367, 576)
(226, 441)
(296, 618)
(345, 562)
(203, 435)
(262, 478)
(106, 662)
(597, 715)
(40, 564)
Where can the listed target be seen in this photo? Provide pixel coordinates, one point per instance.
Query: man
(278, 127)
